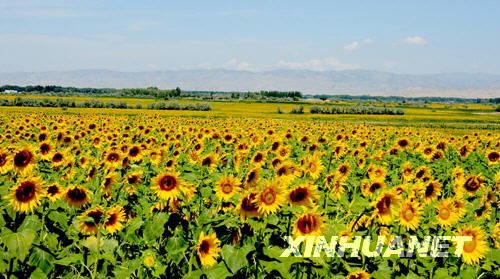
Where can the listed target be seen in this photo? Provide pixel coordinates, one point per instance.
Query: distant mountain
(352, 82)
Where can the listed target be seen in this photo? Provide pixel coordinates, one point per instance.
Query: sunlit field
(132, 193)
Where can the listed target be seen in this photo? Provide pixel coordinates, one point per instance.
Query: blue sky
(397, 36)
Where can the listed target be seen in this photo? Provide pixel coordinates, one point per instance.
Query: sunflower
(114, 219)
(58, 158)
(134, 153)
(473, 183)
(476, 249)
(338, 188)
(343, 170)
(368, 187)
(149, 260)
(258, 159)
(26, 195)
(303, 195)
(493, 157)
(77, 196)
(90, 221)
(112, 158)
(313, 166)
(406, 171)
(447, 214)
(45, 150)
(24, 160)
(422, 173)
(252, 178)
(410, 213)
(4, 159)
(167, 185)
(496, 235)
(376, 173)
(309, 223)
(385, 207)
(403, 143)
(209, 161)
(288, 171)
(247, 207)
(109, 181)
(54, 192)
(271, 197)
(431, 190)
(227, 187)
(208, 249)
(360, 274)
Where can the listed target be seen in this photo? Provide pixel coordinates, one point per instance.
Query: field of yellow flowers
(144, 195)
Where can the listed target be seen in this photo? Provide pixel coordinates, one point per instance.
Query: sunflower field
(134, 196)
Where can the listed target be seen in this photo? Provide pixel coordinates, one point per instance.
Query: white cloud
(352, 46)
(415, 40)
(324, 64)
(367, 41)
(235, 64)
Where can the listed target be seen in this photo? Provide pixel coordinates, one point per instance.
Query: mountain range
(351, 82)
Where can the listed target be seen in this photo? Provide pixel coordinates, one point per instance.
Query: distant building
(10, 91)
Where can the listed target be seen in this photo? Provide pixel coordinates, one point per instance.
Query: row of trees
(177, 106)
(150, 92)
(356, 110)
(66, 103)
(399, 99)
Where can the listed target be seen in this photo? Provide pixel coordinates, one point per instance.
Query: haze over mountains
(352, 82)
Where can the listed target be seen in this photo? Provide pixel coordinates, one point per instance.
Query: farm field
(133, 193)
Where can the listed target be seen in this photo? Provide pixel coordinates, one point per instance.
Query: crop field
(130, 193)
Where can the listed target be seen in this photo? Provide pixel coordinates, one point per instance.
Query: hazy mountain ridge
(354, 82)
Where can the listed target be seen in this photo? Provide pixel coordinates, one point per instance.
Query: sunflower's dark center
(247, 204)
(268, 196)
(206, 162)
(493, 156)
(307, 224)
(298, 194)
(403, 143)
(96, 217)
(77, 194)
(3, 159)
(134, 151)
(52, 190)
(168, 182)
(429, 190)
(113, 157)
(133, 179)
(258, 158)
(472, 184)
(343, 169)
(204, 247)
(26, 191)
(44, 148)
(23, 158)
(384, 205)
(112, 219)
(375, 186)
(57, 158)
(227, 188)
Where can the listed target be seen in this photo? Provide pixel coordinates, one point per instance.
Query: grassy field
(436, 114)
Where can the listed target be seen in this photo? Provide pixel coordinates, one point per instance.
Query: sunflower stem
(98, 253)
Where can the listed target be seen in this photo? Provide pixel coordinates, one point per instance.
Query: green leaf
(19, 243)
(235, 258)
(176, 246)
(70, 260)
(441, 273)
(154, 229)
(42, 260)
(59, 218)
(31, 222)
(38, 274)
(217, 272)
